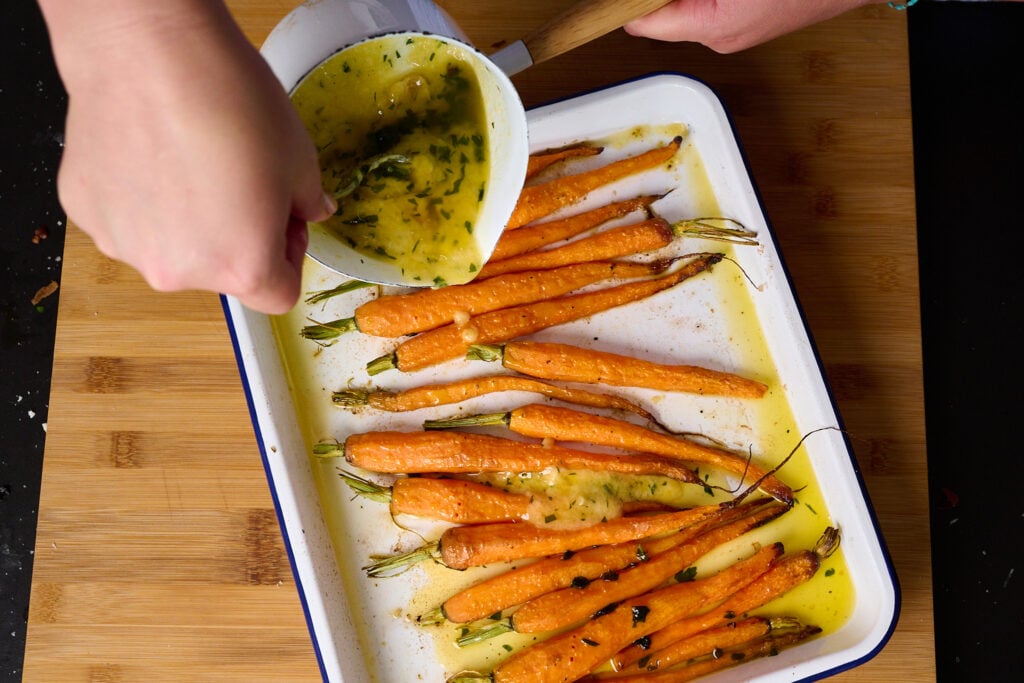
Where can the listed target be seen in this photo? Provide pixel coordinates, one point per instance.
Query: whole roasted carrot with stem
(397, 315)
(564, 424)
(515, 242)
(392, 452)
(454, 500)
(567, 606)
(543, 199)
(539, 161)
(724, 657)
(791, 571)
(476, 545)
(568, 363)
(517, 586)
(452, 341)
(443, 499)
(635, 238)
(430, 395)
(572, 654)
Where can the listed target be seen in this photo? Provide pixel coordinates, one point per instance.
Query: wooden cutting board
(158, 555)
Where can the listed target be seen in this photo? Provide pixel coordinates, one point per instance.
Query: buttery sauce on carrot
(399, 125)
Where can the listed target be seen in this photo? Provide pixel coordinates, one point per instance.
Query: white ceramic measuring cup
(317, 29)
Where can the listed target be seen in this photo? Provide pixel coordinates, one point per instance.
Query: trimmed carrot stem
(452, 341)
(567, 363)
(537, 201)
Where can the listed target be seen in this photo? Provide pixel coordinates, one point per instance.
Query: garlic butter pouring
(404, 141)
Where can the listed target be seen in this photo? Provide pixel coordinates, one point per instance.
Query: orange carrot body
(452, 341)
(515, 242)
(789, 572)
(401, 314)
(429, 395)
(537, 201)
(481, 544)
(575, 364)
(458, 452)
(539, 161)
(573, 654)
(521, 584)
(625, 240)
(548, 421)
(569, 605)
(456, 500)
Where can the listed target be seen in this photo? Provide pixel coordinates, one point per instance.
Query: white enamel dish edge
(354, 646)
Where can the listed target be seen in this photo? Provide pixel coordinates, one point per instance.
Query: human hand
(732, 25)
(183, 155)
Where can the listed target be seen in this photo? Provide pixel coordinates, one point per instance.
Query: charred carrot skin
(452, 341)
(392, 452)
(529, 238)
(524, 583)
(572, 654)
(570, 605)
(430, 395)
(537, 201)
(540, 161)
(568, 363)
(790, 572)
(625, 240)
(564, 424)
(721, 658)
(462, 547)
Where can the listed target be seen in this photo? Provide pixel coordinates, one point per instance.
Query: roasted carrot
(573, 654)
(564, 424)
(542, 199)
(709, 642)
(476, 545)
(625, 240)
(570, 605)
(443, 499)
(767, 645)
(516, 586)
(568, 363)
(397, 315)
(430, 395)
(452, 341)
(789, 572)
(457, 452)
(539, 161)
(529, 238)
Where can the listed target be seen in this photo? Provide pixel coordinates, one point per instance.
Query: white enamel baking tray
(749, 323)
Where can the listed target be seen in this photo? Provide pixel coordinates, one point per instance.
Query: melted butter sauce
(400, 129)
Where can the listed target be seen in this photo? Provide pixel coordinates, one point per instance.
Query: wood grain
(158, 555)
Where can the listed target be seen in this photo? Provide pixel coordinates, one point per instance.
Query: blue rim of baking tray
(890, 570)
(273, 488)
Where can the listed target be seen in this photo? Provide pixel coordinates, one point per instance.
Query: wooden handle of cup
(583, 22)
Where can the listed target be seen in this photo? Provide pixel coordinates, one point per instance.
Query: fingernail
(330, 204)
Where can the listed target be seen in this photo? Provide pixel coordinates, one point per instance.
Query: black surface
(32, 108)
(967, 73)
(967, 79)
